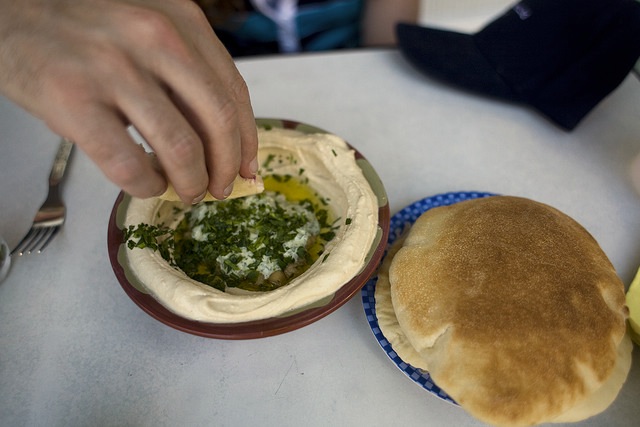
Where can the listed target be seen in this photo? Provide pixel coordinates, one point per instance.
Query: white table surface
(76, 351)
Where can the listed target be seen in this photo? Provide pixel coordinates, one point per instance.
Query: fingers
(209, 92)
(106, 141)
(177, 145)
(246, 119)
(248, 135)
(237, 109)
(155, 65)
(214, 116)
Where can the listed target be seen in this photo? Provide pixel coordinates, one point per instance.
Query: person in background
(258, 27)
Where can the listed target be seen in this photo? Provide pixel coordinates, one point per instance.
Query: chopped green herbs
(273, 160)
(256, 243)
(267, 162)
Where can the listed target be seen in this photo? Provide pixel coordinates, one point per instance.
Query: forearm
(381, 17)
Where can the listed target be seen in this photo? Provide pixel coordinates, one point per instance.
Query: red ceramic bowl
(259, 328)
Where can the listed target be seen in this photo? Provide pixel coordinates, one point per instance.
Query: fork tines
(51, 215)
(36, 240)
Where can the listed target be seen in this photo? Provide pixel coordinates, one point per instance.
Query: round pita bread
(513, 308)
(387, 320)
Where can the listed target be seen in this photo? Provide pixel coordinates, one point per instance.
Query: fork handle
(60, 162)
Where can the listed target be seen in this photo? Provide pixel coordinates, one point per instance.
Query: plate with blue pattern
(404, 218)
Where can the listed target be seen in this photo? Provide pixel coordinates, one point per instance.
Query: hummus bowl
(338, 173)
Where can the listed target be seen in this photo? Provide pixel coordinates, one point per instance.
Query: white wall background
(461, 15)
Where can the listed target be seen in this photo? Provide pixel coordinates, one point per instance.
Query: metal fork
(52, 213)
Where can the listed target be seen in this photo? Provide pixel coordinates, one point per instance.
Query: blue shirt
(321, 25)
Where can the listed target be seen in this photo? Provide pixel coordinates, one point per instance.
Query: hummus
(330, 167)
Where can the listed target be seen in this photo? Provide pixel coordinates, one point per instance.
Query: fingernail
(199, 198)
(253, 166)
(228, 190)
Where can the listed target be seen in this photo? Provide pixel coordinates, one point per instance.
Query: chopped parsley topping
(256, 243)
(268, 161)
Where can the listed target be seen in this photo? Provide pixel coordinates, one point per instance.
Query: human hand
(89, 68)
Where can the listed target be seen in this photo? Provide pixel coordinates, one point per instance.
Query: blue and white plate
(399, 221)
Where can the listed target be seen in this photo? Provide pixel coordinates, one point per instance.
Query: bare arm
(89, 68)
(380, 19)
